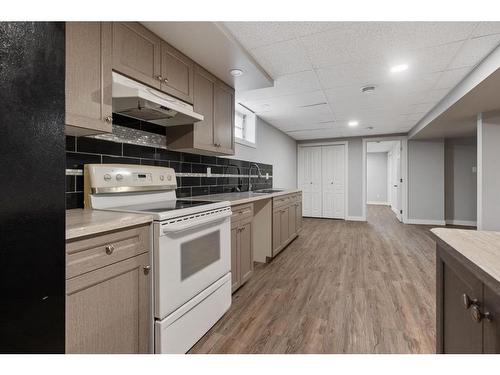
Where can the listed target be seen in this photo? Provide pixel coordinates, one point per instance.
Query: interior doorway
(384, 177)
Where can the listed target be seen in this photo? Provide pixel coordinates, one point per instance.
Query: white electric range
(191, 248)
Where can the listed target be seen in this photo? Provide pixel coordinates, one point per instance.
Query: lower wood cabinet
(241, 245)
(287, 220)
(467, 307)
(108, 293)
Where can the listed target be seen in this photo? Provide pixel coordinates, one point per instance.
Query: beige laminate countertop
(85, 222)
(241, 197)
(482, 248)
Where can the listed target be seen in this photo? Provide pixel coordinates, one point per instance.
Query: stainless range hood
(133, 99)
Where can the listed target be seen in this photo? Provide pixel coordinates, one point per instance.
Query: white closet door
(333, 181)
(304, 178)
(309, 180)
(315, 167)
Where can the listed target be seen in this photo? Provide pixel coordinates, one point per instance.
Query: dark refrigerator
(32, 187)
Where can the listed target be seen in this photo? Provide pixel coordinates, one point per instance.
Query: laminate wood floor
(340, 287)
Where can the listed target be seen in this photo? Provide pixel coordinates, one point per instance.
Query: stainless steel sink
(268, 191)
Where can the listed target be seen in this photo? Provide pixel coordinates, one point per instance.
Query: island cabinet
(467, 305)
(215, 134)
(88, 78)
(241, 245)
(108, 292)
(287, 220)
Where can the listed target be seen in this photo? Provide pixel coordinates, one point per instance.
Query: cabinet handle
(146, 269)
(165, 80)
(108, 119)
(468, 302)
(109, 249)
(159, 78)
(477, 315)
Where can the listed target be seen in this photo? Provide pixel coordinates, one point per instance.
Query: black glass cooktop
(165, 206)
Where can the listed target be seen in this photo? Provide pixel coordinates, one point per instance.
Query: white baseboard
(465, 223)
(356, 218)
(379, 203)
(426, 222)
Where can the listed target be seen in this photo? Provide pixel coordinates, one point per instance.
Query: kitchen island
(467, 291)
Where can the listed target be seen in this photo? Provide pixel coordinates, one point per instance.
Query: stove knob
(162, 177)
(119, 177)
(107, 177)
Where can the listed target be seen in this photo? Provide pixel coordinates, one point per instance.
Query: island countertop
(480, 248)
(85, 222)
(237, 198)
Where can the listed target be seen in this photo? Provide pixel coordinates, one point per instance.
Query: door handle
(181, 227)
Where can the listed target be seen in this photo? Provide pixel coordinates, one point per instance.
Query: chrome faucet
(250, 175)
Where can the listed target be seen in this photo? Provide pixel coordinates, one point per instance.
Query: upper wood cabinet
(143, 56)
(224, 118)
(137, 53)
(215, 134)
(88, 78)
(177, 71)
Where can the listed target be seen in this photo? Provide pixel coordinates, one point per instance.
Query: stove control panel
(118, 178)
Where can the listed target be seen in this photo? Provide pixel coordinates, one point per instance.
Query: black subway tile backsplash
(83, 150)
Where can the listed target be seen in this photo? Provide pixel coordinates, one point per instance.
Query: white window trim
(242, 141)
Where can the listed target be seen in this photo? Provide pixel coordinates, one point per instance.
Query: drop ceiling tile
(475, 50)
(283, 85)
(256, 34)
(450, 78)
(282, 58)
(486, 28)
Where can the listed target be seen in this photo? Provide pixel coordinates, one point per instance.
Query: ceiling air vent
(368, 89)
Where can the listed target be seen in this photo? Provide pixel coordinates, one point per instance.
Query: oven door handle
(181, 227)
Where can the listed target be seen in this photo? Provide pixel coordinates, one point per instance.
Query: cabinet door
(136, 53)
(298, 216)
(284, 222)
(204, 85)
(235, 269)
(177, 71)
(292, 219)
(108, 310)
(459, 332)
(88, 77)
(224, 118)
(245, 250)
(491, 328)
(276, 230)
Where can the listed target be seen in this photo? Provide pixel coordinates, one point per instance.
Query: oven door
(190, 254)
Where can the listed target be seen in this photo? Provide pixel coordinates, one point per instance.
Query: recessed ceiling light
(353, 123)
(399, 68)
(368, 89)
(236, 72)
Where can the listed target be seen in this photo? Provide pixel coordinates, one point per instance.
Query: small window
(244, 126)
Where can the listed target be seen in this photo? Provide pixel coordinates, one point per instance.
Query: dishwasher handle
(188, 224)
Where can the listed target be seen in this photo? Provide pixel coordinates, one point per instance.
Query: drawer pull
(110, 249)
(468, 302)
(146, 269)
(477, 315)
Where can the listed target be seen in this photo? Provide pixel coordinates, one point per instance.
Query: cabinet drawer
(242, 211)
(92, 253)
(281, 201)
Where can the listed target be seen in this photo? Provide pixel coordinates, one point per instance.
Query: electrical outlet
(474, 169)
(209, 171)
